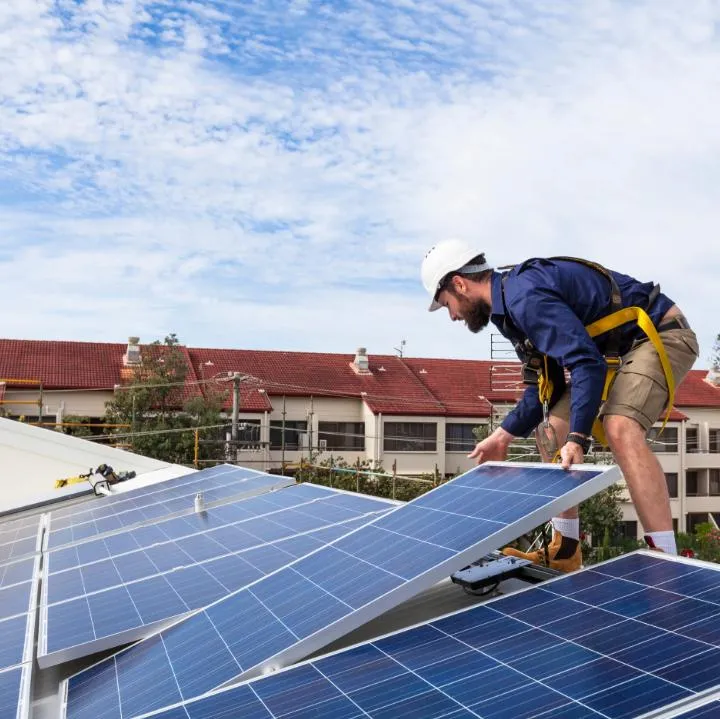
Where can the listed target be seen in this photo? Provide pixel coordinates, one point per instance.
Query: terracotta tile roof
(390, 387)
(407, 386)
(695, 391)
(676, 416)
(62, 365)
(463, 386)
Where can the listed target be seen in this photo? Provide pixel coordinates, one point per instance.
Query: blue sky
(269, 174)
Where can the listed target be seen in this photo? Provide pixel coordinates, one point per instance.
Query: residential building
(414, 415)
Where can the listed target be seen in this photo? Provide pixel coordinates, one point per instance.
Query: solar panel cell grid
(17, 572)
(493, 661)
(104, 600)
(168, 498)
(366, 572)
(10, 684)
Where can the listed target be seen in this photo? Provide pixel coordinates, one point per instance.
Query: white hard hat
(447, 256)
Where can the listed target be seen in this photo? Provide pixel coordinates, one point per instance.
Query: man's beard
(476, 315)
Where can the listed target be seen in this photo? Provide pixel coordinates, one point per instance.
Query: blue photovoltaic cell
(17, 572)
(12, 640)
(18, 539)
(226, 527)
(424, 538)
(708, 711)
(10, 681)
(504, 659)
(177, 577)
(147, 504)
(15, 599)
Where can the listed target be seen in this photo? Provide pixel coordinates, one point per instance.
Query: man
(544, 306)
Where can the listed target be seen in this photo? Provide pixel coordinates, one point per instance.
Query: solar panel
(17, 619)
(306, 605)
(710, 710)
(148, 504)
(116, 600)
(20, 538)
(15, 693)
(18, 571)
(611, 642)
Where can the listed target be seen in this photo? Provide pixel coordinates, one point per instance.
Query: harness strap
(616, 319)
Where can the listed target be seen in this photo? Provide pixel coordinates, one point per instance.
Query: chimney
(132, 357)
(713, 377)
(361, 363)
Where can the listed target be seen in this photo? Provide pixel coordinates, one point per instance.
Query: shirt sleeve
(544, 316)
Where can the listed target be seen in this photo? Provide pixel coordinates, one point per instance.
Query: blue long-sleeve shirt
(550, 302)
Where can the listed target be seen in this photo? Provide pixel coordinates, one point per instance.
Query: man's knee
(623, 431)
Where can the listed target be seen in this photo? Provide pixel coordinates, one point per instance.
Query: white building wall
(85, 403)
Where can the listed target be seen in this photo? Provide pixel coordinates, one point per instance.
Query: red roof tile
(407, 386)
(695, 391)
(390, 387)
(463, 386)
(62, 365)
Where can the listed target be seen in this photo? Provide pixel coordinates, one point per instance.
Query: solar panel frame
(46, 657)
(247, 700)
(87, 532)
(600, 477)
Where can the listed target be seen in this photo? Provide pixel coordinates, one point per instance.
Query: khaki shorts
(639, 390)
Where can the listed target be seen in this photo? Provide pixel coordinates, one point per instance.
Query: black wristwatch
(584, 442)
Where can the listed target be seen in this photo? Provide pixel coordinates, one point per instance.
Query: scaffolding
(30, 384)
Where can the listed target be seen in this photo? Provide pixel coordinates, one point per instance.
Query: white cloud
(270, 174)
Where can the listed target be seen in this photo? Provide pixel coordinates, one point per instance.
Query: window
(675, 525)
(460, 437)
(342, 435)
(691, 483)
(714, 483)
(626, 530)
(410, 437)
(714, 444)
(248, 433)
(667, 442)
(692, 519)
(294, 432)
(672, 483)
(691, 439)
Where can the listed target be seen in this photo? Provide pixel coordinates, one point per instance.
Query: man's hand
(494, 448)
(571, 453)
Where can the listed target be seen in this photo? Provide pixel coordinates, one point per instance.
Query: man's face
(475, 313)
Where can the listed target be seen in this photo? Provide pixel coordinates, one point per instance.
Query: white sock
(664, 540)
(569, 528)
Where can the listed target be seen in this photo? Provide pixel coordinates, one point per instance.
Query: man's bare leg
(561, 427)
(642, 472)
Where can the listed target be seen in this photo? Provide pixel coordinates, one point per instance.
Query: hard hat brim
(434, 306)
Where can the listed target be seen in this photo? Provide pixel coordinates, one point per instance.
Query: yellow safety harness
(610, 323)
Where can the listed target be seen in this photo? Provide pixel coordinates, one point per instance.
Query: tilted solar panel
(612, 642)
(23, 539)
(306, 605)
(150, 504)
(81, 615)
(15, 692)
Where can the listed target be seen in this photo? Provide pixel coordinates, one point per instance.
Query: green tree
(161, 410)
(78, 429)
(715, 357)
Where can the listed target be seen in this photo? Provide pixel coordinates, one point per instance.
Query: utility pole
(310, 428)
(282, 439)
(237, 378)
(401, 348)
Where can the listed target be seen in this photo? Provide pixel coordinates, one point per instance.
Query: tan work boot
(563, 554)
